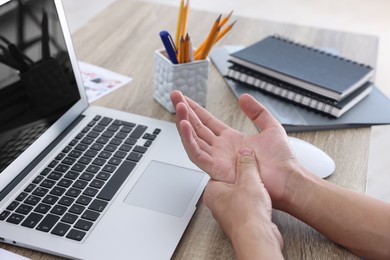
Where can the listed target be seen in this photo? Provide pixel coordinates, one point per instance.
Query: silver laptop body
(56, 192)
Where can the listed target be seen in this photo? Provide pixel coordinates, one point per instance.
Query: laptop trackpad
(165, 188)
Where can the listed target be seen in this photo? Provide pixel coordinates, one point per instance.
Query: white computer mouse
(313, 158)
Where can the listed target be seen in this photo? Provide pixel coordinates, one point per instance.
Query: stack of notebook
(305, 76)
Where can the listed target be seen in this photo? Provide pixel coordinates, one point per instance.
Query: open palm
(213, 145)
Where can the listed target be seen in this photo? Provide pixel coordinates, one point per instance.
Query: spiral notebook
(372, 110)
(308, 68)
(290, 93)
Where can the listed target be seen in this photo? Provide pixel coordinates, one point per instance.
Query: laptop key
(50, 199)
(24, 209)
(80, 184)
(140, 149)
(40, 191)
(105, 121)
(42, 208)
(57, 191)
(90, 215)
(97, 184)
(73, 192)
(66, 201)
(72, 175)
(78, 167)
(4, 214)
(84, 200)
(69, 218)
(30, 187)
(103, 176)
(21, 196)
(90, 192)
(116, 181)
(15, 218)
(97, 117)
(133, 156)
(76, 234)
(138, 131)
(83, 224)
(48, 222)
(60, 229)
(48, 183)
(76, 209)
(32, 200)
(87, 176)
(98, 205)
(32, 220)
(13, 205)
(75, 153)
(55, 175)
(58, 210)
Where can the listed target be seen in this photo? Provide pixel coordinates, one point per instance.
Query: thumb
(247, 170)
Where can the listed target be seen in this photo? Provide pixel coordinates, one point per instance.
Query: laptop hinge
(38, 159)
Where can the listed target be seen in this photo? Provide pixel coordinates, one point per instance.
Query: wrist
(256, 240)
(298, 187)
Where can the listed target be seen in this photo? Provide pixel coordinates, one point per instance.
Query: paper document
(7, 255)
(98, 81)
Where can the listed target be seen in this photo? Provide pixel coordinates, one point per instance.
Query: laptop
(78, 181)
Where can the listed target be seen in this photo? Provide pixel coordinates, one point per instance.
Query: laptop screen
(37, 83)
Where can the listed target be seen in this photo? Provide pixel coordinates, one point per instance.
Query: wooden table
(123, 38)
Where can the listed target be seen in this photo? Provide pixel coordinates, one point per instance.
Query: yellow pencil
(181, 58)
(221, 24)
(179, 22)
(209, 43)
(225, 19)
(224, 31)
(183, 27)
(187, 48)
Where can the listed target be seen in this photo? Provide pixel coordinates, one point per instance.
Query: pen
(169, 46)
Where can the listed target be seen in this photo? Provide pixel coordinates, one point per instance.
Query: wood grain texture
(123, 38)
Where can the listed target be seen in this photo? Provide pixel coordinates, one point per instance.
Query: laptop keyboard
(72, 192)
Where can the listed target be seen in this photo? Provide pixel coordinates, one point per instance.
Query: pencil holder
(190, 78)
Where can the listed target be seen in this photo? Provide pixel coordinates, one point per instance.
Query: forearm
(256, 242)
(356, 221)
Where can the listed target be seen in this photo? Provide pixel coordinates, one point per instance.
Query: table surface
(125, 43)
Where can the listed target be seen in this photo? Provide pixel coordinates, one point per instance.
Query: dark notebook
(311, 69)
(290, 93)
(372, 110)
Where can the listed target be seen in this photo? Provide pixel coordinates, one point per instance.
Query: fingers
(257, 112)
(247, 170)
(197, 148)
(202, 117)
(204, 123)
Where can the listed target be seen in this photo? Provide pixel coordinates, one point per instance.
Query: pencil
(179, 22)
(225, 19)
(183, 27)
(190, 50)
(181, 57)
(221, 24)
(224, 31)
(210, 41)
